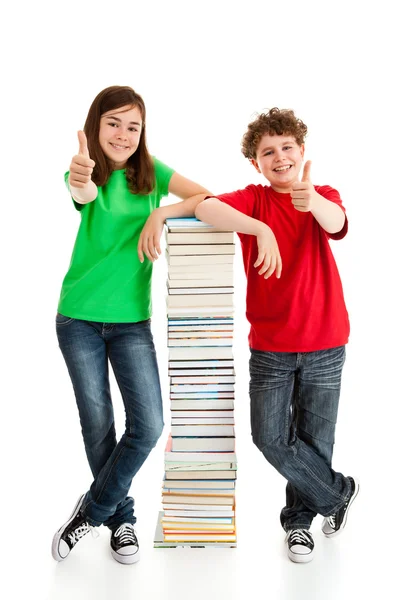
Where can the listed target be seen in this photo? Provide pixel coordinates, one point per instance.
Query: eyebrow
(119, 120)
(285, 143)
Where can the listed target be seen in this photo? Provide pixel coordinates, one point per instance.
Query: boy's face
(279, 159)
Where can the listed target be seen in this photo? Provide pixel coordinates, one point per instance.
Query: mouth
(118, 147)
(283, 169)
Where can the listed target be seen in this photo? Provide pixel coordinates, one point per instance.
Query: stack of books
(198, 492)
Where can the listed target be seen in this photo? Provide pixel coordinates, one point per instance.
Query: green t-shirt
(105, 281)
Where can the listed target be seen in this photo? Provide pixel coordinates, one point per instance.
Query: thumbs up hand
(303, 192)
(81, 168)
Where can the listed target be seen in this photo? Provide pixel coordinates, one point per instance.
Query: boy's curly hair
(274, 122)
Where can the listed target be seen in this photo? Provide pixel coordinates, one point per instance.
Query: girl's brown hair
(274, 122)
(140, 168)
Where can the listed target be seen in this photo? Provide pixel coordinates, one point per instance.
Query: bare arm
(191, 193)
(223, 216)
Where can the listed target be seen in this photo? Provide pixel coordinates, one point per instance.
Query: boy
(299, 322)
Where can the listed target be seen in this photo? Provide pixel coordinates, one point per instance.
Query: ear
(302, 150)
(255, 164)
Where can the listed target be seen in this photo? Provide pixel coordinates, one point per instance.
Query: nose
(122, 133)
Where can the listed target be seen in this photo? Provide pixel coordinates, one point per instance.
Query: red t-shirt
(304, 310)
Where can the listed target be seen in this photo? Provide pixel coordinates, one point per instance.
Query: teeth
(286, 168)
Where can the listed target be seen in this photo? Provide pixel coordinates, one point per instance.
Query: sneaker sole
(56, 539)
(354, 496)
(126, 559)
(300, 558)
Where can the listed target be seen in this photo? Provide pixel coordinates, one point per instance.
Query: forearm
(223, 216)
(328, 214)
(185, 208)
(84, 195)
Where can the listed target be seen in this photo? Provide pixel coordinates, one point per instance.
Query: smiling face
(119, 134)
(279, 159)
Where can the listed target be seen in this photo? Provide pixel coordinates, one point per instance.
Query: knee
(145, 437)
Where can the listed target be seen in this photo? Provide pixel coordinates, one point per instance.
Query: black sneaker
(300, 545)
(334, 524)
(124, 544)
(70, 533)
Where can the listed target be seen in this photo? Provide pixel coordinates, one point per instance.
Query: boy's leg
(272, 380)
(315, 410)
(133, 358)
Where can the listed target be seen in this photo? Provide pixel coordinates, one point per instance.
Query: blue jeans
(294, 404)
(87, 348)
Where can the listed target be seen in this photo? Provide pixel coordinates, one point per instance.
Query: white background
(204, 69)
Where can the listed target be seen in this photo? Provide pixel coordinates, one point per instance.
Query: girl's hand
(81, 168)
(149, 240)
(268, 253)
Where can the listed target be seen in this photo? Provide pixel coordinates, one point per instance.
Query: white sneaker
(300, 545)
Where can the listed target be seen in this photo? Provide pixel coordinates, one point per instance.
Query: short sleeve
(77, 205)
(163, 175)
(333, 195)
(242, 200)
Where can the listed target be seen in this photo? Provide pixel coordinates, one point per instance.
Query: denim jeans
(87, 348)
(294, 404)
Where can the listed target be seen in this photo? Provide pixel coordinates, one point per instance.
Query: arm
(305, 199)
(191, 193)
(221, 215)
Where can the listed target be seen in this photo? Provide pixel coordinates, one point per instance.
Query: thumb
(306, 171)
(83, 147)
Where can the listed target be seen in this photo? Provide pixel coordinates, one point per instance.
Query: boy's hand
(81, 168)
(149, 240)
(268, 253)
(303, 191)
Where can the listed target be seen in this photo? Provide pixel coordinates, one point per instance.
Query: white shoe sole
(126, 559)
(300, 558)
(56, 539)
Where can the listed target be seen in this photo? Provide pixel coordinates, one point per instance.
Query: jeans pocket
(63, 320)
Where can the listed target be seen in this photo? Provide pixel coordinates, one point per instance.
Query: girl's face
(119, 134)
(279, 159)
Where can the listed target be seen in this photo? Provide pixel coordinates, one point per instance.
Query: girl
(105, 307)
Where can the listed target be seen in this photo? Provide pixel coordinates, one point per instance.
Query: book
(199, 259)
(200, 537)
(199, 275)
(199, 483)
(199, 237)
(199, 300)
(198, 329)
(202, 444)
(217, 289)
(220, 281)
(202, 430)
(172, 455)
(200, 249)
(196, 507)
(208, 420)
(207, 387)
(202, 404)
(190, 475)
(202, 379)
(198, 321)
(196, 514)
(204, 353)
(204, 364)
(202, 414)
(199, 342)
(198, 466)
(216, 373)
(191, 222)
(200, 311)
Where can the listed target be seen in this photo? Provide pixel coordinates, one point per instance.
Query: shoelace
(300, 536)
(331, 521)
(126, 534)
(78, 533)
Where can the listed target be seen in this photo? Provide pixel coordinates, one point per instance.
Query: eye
(268, 153)
(287, 147)
(133, 129)
(112, 124)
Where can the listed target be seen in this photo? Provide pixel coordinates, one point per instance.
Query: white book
(217, 372)
(189, 475)
(208, 387)
(192, 222)
(198, 330)
(200, 395)
(202, 421)
(216, 520)
(203, 379)
(199, 342)
(200, 311)
(168, 506)
(202, 414)
(201, 484)
(199, 237)
(203, 444)
(199, 300)
(200, 249)
(200, 273)
(200, 290)
(193, 353)
(206, 364)
(202, 430)
(200, 283)
(199, 259)
(195, 322)
(199, 512)
(202, 404)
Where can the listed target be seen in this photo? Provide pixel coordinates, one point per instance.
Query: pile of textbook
(198, 493)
